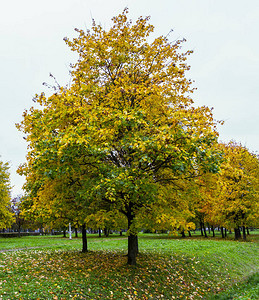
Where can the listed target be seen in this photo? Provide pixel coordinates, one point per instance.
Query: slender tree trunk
(213, 231)
(84, 239)
(209, 228)
(244, 233)
(222, 232)
(247, 231)
(99, 232)
(189, 232)
(225, 232)
(183, 234)
(120, 232)
(64, 233)
(201, 228)
(237, 233)
(19, 231)
(76, 233)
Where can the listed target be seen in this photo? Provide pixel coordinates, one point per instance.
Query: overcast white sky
(222, 33)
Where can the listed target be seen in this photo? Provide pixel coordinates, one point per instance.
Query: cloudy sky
(225, 63)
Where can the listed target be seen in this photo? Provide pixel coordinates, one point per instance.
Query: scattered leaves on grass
(183, 269)
(95, 275)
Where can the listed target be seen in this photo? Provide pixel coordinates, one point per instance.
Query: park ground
(168, 267)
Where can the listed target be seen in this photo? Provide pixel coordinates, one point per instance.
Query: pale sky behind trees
(224, 65)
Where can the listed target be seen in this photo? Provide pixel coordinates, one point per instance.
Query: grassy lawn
(168, 268)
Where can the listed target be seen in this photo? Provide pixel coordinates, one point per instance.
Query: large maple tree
(126, 126)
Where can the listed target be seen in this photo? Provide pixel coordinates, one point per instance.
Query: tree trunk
(183, 234)
(213, 231)
(225, 232)
(247, 231)
(222, 232)
(64, 233)
(189, 232)
(106, 232)
(244, 233)
(237, 233)
(19, 231)
(84, 239)
(76, 233)
(209, 228)
(132, 249)
(99, 232)
(132, 241)
(120, 232)
(201, 228)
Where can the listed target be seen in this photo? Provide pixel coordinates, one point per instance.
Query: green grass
(168, 268)
(53, 242)
(246, 289)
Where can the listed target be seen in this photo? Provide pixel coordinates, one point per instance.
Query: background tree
(19, 222)
(6, 216)
(203, 202)
(237, 202)
(107, 221)
(55, 202)
(126, 126)
(172, 211)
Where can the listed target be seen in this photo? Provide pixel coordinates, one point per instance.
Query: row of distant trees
(107, 222)
(123, 146)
